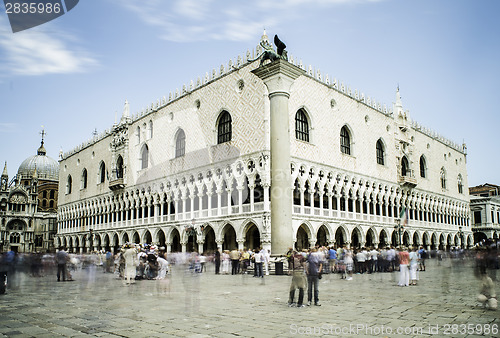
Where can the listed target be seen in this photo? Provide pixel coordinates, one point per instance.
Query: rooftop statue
(269, 53)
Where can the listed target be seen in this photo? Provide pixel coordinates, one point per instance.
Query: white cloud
(35, 52)
(7, 127)
(204, 20)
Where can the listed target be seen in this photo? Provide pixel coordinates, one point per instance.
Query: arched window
(119, 167)
(460, 184)
(422, 166)
(180, 143)
(52, 194)
(138, 134)
(301, 126)
(345, 141)
(150, 129)
(443, 178)
(224, 129)
(69, 183)
(102, 173)
(84, 179)
(380, 152)
(144, 156)
(405, 167)
(15, 238)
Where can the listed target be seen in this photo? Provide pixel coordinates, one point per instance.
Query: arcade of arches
(228, 236)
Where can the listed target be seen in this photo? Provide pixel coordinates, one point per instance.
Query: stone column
(278, 76)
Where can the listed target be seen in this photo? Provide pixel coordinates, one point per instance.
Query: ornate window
(224, 129)
(15, 238)
(345, 141)
(119, 167)
(180, 143)
(380, 152)
(460, 184)
(102, 173)
(405, 167)
(144, 156)
(443, 178)
(422, 166)
(69, 183)
(301, 126)
(83, 184)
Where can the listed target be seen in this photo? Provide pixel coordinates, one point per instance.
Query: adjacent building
(273, 155)
(28, 204)
(485, 210)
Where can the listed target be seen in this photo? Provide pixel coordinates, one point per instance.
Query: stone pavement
(208, 305)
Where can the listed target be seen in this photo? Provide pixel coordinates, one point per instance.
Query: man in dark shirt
(314, 268)
(61, 259)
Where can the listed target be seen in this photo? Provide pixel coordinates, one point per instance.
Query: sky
(74, 73)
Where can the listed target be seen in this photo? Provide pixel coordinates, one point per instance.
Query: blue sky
(72, 74)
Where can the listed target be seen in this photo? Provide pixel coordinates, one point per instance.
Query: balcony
(407, 180)
(116, 184)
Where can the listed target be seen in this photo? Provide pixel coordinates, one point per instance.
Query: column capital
(278, 76)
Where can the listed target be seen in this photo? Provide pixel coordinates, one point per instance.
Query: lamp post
(398, 226)
(91, 239)
(461, 235)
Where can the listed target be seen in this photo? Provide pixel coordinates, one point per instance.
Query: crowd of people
(137, 262)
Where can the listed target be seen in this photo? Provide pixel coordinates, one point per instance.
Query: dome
(46, 167)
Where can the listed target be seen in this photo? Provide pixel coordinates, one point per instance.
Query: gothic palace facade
(193, 171)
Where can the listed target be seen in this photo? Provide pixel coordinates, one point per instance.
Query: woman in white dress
(225, 262)
(413, 266)
(130, 256)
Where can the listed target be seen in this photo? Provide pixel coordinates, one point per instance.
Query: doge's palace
(272, 154)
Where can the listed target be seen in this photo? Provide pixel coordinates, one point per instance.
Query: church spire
(41, 150)
(4, 174)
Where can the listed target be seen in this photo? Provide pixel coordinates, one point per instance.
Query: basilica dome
(46, 167)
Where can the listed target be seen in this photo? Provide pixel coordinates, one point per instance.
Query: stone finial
(207, 78)
(248, 56)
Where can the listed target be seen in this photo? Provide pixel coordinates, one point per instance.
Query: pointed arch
(302, 125)
(144, 156)
(84, 180)
(101, 175)
(180, 143)
(380, 151)
(345, 140)
(423, 166)
(224, 127)
(405, 166)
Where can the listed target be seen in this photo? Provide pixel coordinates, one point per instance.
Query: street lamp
(461, 235)
(398, 226)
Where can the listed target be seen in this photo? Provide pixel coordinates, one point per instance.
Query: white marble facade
(139, 182)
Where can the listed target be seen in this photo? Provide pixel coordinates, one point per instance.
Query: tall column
(278, 76)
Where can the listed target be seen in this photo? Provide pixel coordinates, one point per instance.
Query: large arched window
(224, 129)
(119, 167)
(180, 143)
(405, 167)
(102, 173)
(69, 184)
(301, 126)
(380, 152)
(84, 179)
(144, 156)
(460, 184)
(345, 141)
(443, 178)
(422, 166)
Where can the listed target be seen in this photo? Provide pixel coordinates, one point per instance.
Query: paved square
(208, 305)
